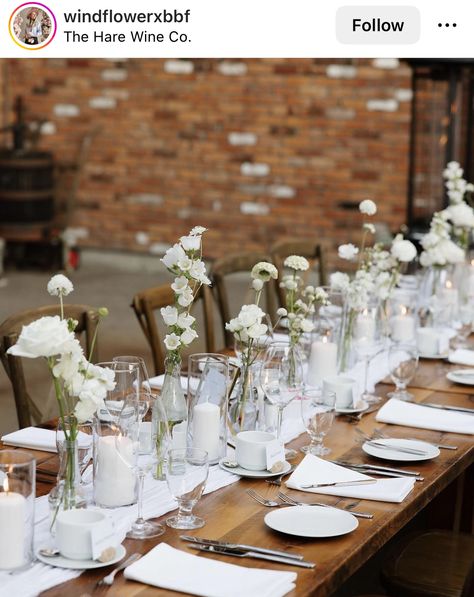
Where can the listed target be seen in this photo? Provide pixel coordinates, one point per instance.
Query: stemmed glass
(186, 475)
(127, 382)
(402, 362)
(281, 379)
(135, 423)
(317, 412)
(142, 370)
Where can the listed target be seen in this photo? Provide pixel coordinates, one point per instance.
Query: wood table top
(231, 515)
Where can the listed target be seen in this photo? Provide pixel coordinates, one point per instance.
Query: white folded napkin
(312, 470)
(35, 438)
(157, 382)
(170, 568)
(462, 356)
(409, 414)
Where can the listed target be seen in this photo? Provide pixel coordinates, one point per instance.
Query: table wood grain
(231, 515)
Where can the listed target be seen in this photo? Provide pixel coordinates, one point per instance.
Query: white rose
(191, 243)
(368, 207)
(173, 255)
(45, 337)
(188, 336)
(59, 285)
(403, 250)
(186, 297)
(179, 285)
(185, 320)
(170, 315)
(172, 341)
(348, 251)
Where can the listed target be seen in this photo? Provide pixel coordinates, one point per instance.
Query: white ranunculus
(348, 251)
(249, 315)
(59, 285)
(368, 207)
(170, 315)
(403, 250)
(188, 336)
(257, 285)
(186, 297)
(257, 330)
(172, 341)
(45, 337)
(179, 285)
(339, 281)
(185, 320)
(461, 215)
(173, 255)
(297, 262)
(191, 243)
(234, 325)
(264, 271)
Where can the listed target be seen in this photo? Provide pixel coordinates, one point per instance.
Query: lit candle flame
(6, 485)
(403, 310)
(325, 339)
(449, 284)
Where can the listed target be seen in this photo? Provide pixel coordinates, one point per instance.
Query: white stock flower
(297, 262)
(403, 250)
(59, 285)
(173, 255)
(45, 337)
(197, 231)
(339, 281)
(191, 243)
(348, 251)
(264, 271)
(188, 336)
(185, 320)
(170, 315)
(257, 285)
(172, 341)
(186, 297)
(179, 285)
(368, 207)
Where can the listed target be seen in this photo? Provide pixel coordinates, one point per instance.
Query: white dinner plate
(465, 380)
(430, 450)
(311, 521)
(361, 407)
(434, 357)
(243, 472)
(61, 562)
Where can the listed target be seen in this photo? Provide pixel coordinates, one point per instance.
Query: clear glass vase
(174, 401)
(243, 402)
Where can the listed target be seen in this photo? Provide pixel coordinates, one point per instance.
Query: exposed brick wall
(252, 149)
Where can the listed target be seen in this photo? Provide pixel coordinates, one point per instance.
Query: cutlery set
(383, 471)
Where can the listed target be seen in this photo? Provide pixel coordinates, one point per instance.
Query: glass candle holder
(17, 507)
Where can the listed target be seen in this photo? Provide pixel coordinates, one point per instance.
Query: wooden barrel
(26, 188)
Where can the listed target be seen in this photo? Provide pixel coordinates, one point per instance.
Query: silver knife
(252, 554)
(241, 547)
(340, 483)
(396, 448)
(378, 467)
(373, 471)
(460, 409)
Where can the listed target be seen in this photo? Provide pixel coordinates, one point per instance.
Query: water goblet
(317, 411)
(402, 362)
(186, 476)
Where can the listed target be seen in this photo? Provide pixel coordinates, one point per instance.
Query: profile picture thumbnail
(32, 26)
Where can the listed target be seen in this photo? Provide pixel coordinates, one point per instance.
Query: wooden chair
(431, 564)
(234, 264)
(145, 304)
(313, 252)
(10, 329)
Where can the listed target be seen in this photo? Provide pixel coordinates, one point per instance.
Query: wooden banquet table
(231, 515)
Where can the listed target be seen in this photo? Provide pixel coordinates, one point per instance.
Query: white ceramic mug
(250, 449)
(343, 387)
(73, 532)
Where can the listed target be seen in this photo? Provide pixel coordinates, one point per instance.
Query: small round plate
(362, 406)
(61, 562)
(243, 472)
(311, 521)
(462, 376)
(430, 450)
(433, 357)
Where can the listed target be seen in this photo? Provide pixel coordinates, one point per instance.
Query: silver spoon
(230, 463)
(48, 552)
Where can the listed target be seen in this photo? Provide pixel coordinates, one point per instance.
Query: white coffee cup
(73, 532)
(251, 449)
(430, 342)
(343, 387)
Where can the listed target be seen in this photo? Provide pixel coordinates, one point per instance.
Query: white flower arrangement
(184, 261)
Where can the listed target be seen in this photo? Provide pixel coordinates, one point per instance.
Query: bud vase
(243, 402)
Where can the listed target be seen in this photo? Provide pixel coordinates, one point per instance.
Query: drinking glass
(402, 362)
(136, 424)
(186, 476)
(317, 411)
(142, 370)
(281, 379)
(127, 382)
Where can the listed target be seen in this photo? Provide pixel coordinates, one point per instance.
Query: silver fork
(109, 579)
(261, 500)
(291, 502)
(277, 480)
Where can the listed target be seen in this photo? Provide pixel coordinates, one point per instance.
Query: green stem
(61, 304)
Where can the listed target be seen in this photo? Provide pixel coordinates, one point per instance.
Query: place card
(102, 537)
(275, 452)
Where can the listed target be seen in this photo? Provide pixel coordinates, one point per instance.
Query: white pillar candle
(430, 342)
(471, 280)
(364, 326)
(322, 362)
(402, 328)
(114, 479)
(206, 429)
(178, 435)
(12, 525)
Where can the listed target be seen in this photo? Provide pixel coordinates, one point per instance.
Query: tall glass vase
(174, 401)
(243, 402)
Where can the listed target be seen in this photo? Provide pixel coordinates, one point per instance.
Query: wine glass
(281, 379)
(143, 372)
(402, 362)
(127, 382)
(186, 476)
(317, 411)
(368, 338)
(135, 424)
